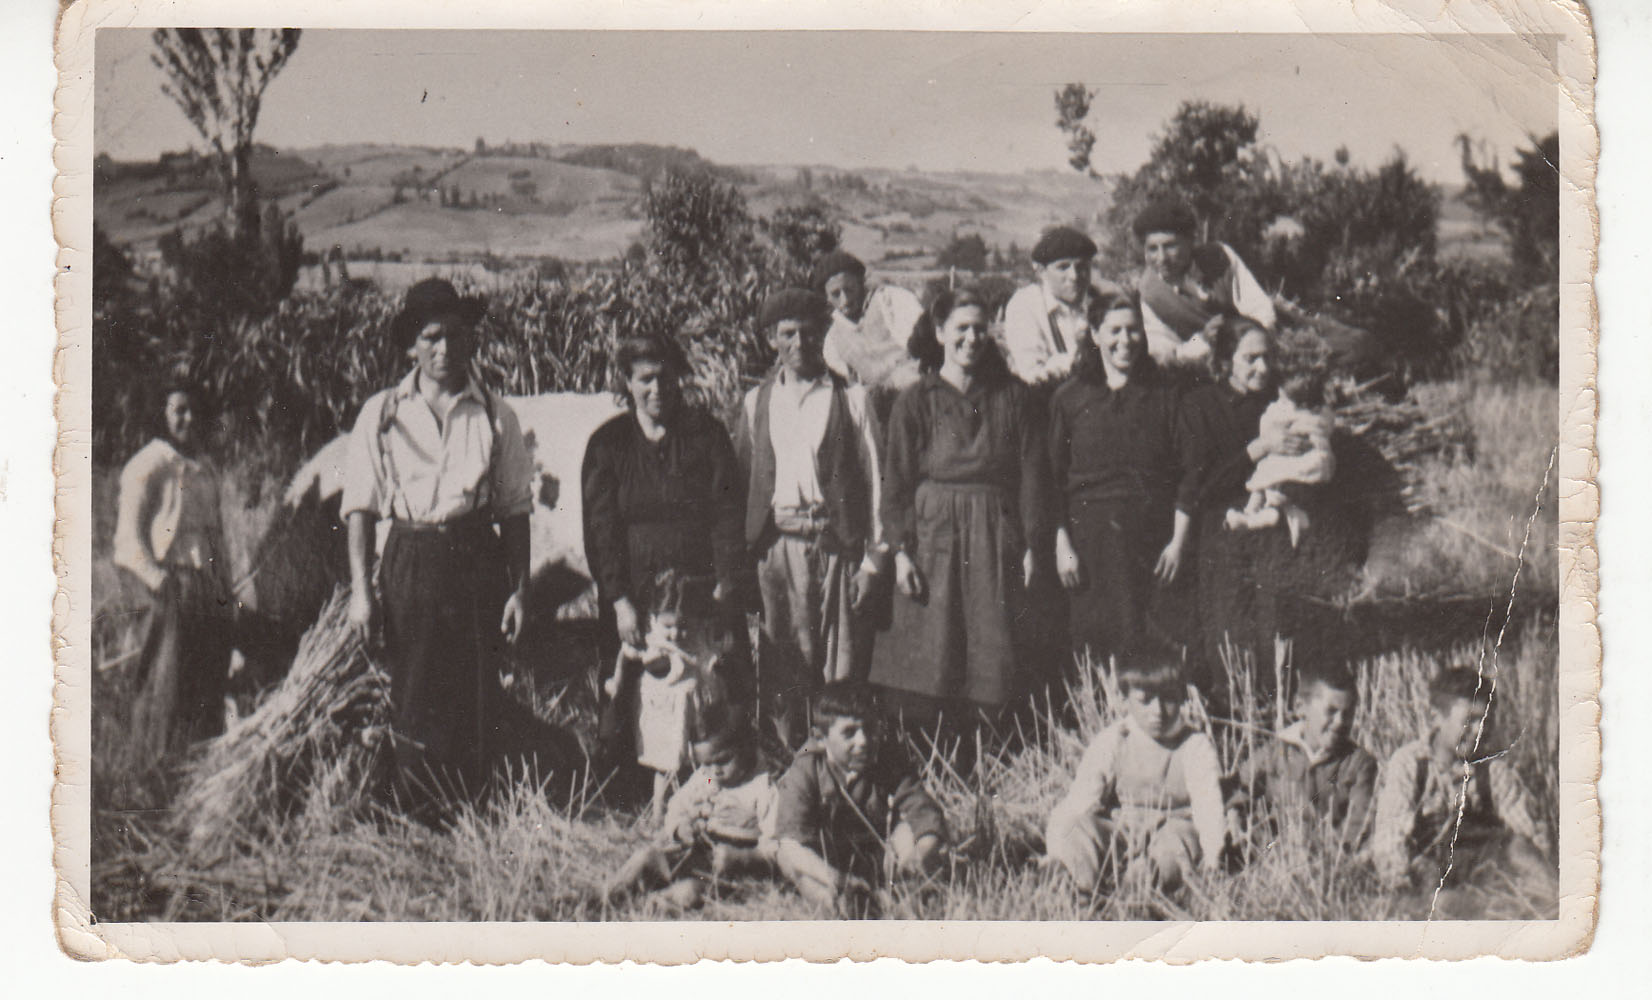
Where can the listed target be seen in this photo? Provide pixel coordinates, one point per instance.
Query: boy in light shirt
(1147, 791)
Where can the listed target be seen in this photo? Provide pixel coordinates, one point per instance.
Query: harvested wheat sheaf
(308, 734)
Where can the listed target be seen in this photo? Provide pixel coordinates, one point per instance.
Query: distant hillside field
(585, 203)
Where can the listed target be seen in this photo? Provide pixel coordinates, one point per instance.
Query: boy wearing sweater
(1313, 769)
(1147, 791)
(719, 823)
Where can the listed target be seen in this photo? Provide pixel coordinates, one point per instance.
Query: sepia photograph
(736, 477)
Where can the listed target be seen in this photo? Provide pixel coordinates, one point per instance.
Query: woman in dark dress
(662, 490)
(1244, 575)
(1119, 540)
(963, 509)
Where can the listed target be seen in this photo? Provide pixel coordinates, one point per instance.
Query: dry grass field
(1469, 579)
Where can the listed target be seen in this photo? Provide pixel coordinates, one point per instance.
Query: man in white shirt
(1044, 322)
(444, 460)
(1187, 288)
(810, 445)
(866, 342)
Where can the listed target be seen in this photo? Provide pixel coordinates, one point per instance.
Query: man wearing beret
(444, 461)
(810, 447)
(1187, 288)
(866, 342)
(1045, 321)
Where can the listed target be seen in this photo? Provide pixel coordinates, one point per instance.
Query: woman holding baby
(1246, 558)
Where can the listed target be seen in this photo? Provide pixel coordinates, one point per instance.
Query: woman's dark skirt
(183, 665)
(1121, 605)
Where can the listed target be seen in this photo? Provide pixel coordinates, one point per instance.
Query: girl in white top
(169, 537)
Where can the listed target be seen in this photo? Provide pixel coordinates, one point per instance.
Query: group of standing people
(912, 494)
(907, 494)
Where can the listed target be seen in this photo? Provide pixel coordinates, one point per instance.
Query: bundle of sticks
(307, 752)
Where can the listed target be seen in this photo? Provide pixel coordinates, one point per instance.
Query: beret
(1062, 243)
(1164, 217)
(834, 263)
(794, 303)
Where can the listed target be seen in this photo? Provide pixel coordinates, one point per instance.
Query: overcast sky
(855, 99)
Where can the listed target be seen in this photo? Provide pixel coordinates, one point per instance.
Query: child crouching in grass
(719, 823)
(1313, 769)
(1147, 792)
(850, 810)
(1446, 801)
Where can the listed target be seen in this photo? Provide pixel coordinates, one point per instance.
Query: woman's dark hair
(173, 382)
(1087, 357)
(631, 351)
(845, 700)
(925, 342)
(1226, 341)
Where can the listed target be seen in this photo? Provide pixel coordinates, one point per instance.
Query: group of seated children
(1149, 800)
(849, 815)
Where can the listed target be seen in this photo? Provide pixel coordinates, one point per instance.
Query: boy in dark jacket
(849, 813)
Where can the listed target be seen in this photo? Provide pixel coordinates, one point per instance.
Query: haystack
(307, 753)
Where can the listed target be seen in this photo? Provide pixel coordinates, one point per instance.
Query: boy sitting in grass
(1446, 800)
(1147, 791)
(719, 823)
(1313, 769)
(850, 810)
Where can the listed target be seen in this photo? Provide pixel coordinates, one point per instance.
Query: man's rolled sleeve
(512, 473)
(363, 492)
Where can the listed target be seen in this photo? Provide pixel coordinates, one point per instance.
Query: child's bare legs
(648, 867)
(1173, 853)
(1258, 513)
(662, 790)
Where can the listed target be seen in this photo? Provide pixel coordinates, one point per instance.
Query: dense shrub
(288, 379)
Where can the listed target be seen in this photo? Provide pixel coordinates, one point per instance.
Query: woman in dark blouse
(962, 508)
(661, 490)
(1114, 470)
(1242, 574)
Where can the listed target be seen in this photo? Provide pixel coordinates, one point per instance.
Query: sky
(935, 100)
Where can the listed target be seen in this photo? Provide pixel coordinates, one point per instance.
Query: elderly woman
(963, 510)
(169, 538)
(1119, 541)
(1243, 574)
(662, 490)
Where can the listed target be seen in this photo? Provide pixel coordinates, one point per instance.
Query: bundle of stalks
(307, 748)
(1412, 433)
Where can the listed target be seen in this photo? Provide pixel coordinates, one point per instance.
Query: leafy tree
(802, 234)
(967, 253)
(217, 77)
(1528, 212)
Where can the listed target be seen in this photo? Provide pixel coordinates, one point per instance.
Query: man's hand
(907, 576)
(1066, 561)
(363, 609)
(627, 623)
(1028, 566)
(861, 587)
(514, 616)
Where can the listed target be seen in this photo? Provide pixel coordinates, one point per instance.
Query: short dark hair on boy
(844, 700)
(1153, 674)
(1339, 679)
(1459, 683)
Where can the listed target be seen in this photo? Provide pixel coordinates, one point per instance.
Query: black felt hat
(1062, 243)
(431, 299)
